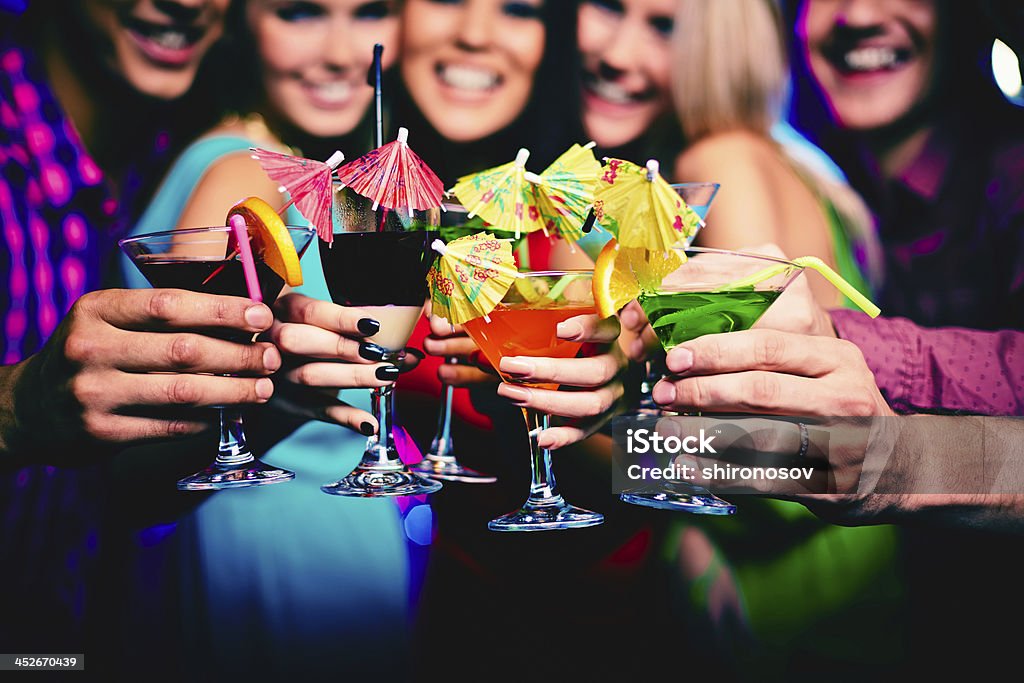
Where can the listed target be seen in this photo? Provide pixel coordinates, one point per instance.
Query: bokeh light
(1006, 69)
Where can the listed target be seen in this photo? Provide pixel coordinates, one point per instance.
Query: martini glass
(194, 259)
(440, 462)
(378, 262)
(523, 324)
(698, 196)
(694, 300)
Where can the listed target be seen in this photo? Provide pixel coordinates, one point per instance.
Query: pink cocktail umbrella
(307, 181)
(394, 178)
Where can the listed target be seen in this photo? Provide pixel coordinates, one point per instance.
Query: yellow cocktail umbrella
(502, 196)
(565, 191)
(650, 214)
(471, 276)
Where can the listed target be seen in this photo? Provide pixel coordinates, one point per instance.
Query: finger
(641, 347)
(761, 350)
(345, 320)
(746, 392)
(465, 375)
(125, 428)
(182, 352)
(564, 403)
(577, 372)
(194, 390)
(309, 341)
(312, 404)
(554, 438)
(351, 417)
(460, 347)
(343, 375)
(439, 327)
(632, 317)
(411, 359)
(589, 328)
(168, 309)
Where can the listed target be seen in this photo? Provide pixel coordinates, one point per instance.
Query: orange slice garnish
(621, 274)
(271, 241)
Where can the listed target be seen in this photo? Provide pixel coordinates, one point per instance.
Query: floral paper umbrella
(565, 191)
(307, 181)
(471, 276)
(394, 177)
(650, 214)
(502, 196)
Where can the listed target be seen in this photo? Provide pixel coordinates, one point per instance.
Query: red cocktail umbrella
(394, 177)
(306, 180)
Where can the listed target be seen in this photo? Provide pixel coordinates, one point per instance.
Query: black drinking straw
(374, 78)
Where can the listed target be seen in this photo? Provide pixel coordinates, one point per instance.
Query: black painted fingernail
(371, 351)
(367, 429)
(368, 326)
(388, 373)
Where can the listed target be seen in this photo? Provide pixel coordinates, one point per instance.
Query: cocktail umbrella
(650, 214)
(471, 276)
(502, 196)
(565, 191)
(307, 181)
(394, 177)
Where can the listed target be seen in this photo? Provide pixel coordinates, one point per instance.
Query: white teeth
(870, 58)
(171, 40)
(468, 77)
(610, 92)
(335, 92)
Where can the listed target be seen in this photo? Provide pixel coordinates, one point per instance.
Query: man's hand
(130, 365)
(769, 372)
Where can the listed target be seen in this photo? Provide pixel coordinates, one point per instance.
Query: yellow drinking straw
(816, 264)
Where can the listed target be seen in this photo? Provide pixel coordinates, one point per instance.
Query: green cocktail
(712, 291)
(678, 317)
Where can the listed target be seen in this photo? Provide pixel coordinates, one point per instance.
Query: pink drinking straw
(252, 283)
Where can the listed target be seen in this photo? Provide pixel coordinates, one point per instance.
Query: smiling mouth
(868, 59)
(330, 94)
(613, 92)
(469, 78)
(165, 36)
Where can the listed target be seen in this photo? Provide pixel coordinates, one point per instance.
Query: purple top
(952, 229)
(945, 370)
(58, 213)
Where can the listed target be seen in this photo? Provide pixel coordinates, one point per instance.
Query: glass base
(692, 499)
(558, 515)
(216, 477)
(377, 483)
(448, 468)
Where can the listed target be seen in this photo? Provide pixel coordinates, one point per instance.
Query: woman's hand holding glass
(451, 341)
(325, 348)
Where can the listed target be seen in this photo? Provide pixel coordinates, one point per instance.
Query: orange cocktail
(519, 330)
(525, 323)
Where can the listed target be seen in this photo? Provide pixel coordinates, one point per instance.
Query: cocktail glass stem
(441, 446)
(382, 408)
(233, 450)
(545, 508)
(440, 461)
(235, 465)
(543, 489)
(381, 471)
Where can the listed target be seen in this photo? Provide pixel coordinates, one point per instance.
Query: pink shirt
(939, 370)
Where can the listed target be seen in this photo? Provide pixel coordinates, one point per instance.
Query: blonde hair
(730, 71)
(729, 66)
